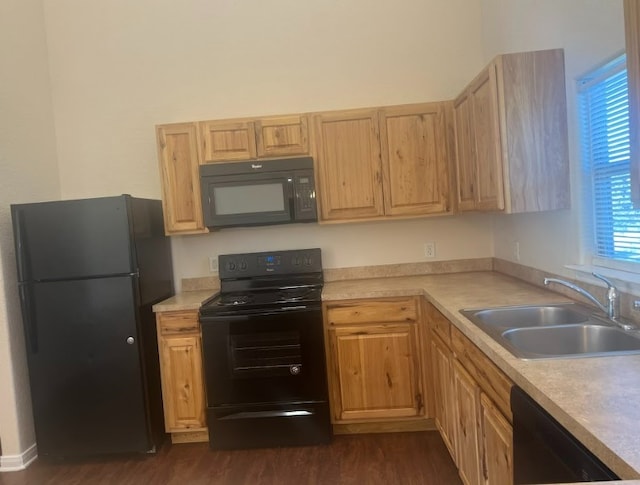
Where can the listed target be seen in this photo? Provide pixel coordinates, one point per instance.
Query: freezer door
(73, 239)
(85, 369)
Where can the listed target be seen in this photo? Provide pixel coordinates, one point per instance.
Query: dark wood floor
(392, 458)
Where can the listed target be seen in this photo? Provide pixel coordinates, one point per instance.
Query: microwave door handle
(290, 193)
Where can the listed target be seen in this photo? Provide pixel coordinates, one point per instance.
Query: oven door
(246, 200)
(265, 358)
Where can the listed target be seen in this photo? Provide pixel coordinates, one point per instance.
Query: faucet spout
(611, 309)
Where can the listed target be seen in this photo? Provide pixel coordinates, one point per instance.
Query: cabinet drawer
(177, 323)
(439, 324)
(372, 311)
(490, 379)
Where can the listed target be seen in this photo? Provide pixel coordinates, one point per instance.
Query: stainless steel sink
(529, 316)
(554, 331)
(572, 340)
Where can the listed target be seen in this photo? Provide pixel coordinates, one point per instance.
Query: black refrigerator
(89, 272)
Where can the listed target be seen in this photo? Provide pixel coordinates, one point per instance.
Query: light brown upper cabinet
(632, 41)
(465, 159)
(246, 139)
(482, 147)
(282, 136)
(182, 147)
(415, 164)
(178, 157)
(348, 165)
(227, 141)
(511, 135)
(390, 161)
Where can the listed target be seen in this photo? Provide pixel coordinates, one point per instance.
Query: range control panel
(248, 265)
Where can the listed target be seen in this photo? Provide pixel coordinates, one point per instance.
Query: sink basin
(572, 340)
(529, 316)
(551, 331)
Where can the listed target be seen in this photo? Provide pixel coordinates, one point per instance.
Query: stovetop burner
(294, 294)
(236, 302)
(275, 281)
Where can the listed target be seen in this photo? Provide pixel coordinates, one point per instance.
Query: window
(604, 117)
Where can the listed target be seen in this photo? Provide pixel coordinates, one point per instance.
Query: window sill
(626, 281)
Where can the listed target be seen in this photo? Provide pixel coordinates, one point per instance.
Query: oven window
(248, 199)
(265, 354)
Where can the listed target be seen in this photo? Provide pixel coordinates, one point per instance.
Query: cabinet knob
(295, 369)
(130, 340)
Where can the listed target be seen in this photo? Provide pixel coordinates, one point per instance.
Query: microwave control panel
(305, 194)
(275, 262)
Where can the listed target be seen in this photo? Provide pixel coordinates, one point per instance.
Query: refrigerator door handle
(20, 244)
(31, 330)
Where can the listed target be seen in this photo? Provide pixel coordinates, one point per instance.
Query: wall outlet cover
(430, 249)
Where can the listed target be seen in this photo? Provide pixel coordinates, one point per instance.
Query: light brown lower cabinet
(472, 405)
(374, 360)
(444, 392)
(467, 404)
(181, 374)
(497, 437)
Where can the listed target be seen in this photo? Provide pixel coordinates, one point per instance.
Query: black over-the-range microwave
(258, 193)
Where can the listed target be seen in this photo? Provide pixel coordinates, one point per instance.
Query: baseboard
(14, 463)
(199, 436)
(396, 426)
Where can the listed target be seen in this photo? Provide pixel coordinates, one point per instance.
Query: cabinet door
(489, 190)
(467, 397)
(181, 371)
(533, 122)
(444, 393)
(415, 159)
(376, 371)
(178, 157)
(227, 141)
(347, 153)
(632, 43)
(465, 153)
(283, 135)
(496, 444)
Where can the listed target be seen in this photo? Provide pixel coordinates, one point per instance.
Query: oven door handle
(290, 413)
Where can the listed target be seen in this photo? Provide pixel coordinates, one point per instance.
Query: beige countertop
(596, 399)
(187, 300)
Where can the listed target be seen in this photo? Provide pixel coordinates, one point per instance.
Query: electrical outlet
(430, 249)
(516, 250)
(213, 264)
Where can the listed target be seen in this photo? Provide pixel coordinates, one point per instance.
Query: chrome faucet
(612, 308)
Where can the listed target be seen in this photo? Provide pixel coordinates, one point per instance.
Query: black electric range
(263, 351)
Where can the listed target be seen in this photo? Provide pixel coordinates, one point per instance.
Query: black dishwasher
(545, 452)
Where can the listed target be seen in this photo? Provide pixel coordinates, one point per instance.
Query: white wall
(121, 67)
(361, 244)
(590, 31)
(28, 171)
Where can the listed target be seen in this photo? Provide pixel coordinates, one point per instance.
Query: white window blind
(604, 116)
